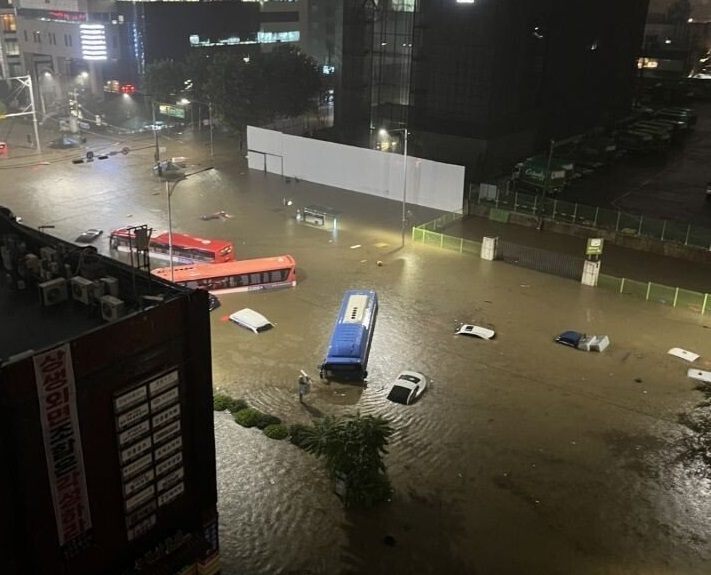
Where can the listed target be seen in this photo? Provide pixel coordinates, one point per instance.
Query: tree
(164, 79)
(291, 80)
(353, 448)
(197, 70)
(281, 83)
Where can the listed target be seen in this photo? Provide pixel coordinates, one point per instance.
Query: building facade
(483, 83)
(107, 431)
(96, 46)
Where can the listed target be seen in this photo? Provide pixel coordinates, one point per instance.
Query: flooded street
(523, 457)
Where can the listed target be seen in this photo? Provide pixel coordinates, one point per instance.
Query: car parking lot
(667, 184)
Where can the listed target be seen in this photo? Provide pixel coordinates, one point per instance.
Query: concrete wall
(429, 184)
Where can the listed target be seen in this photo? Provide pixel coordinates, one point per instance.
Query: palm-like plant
(353, 448)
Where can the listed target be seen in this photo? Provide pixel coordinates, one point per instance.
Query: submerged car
(167, 169)
(88, 236)
(213, 301)
(475, 331)
(583, 341)
(251, 320)
(407, 387)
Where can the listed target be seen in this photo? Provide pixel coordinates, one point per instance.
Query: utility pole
(156, 154)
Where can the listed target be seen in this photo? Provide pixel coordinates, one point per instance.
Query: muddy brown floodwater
(524, 457)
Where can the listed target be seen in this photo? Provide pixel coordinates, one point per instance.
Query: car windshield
(410, 378)
(264, 327)
(399, 394)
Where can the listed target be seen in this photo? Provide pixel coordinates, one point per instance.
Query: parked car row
(644, 131)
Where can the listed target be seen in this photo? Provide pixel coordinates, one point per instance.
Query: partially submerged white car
(252, 320)
(475, 331)
(407, 387)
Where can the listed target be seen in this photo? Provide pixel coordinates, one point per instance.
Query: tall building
(93, 46)
(483, 83)
(10, 64)
(106, 427)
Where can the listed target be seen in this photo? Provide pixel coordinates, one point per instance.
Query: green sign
(172, 111)
(594, 247)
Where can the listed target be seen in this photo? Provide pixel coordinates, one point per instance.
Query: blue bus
(347, 356)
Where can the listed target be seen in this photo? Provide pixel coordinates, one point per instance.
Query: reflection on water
(522, 456)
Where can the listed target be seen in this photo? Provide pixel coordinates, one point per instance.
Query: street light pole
(404, 188)
(170, 186)
(169, 192)
(209, 119)
(156, 154)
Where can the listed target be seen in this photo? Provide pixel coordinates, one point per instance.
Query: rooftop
(52, 291)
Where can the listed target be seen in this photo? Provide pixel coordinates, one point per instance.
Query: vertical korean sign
(56, 391)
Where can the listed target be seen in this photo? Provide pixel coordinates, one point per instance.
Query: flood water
(523, 457)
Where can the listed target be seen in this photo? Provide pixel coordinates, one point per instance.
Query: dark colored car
(583, 341)
(213, 301)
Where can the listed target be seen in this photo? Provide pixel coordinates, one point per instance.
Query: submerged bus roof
(201, 271)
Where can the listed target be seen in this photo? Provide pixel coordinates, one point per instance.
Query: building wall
(430, 184)
(107, 363)
(106, 427)
(492, 70)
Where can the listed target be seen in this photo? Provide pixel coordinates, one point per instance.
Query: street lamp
(185, 102)
(170, 185)
(384, 133)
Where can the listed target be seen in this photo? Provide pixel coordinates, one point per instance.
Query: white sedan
(407, 387)
(475, 331)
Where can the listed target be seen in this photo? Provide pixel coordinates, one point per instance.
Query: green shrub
(237, 405)
(297, 433)
(248, 417)
(266, 420)
(276, 431)
(221, 401)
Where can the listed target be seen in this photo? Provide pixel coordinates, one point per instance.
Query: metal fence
(430, 234)
(591, 216)
(679, 298)
(675, 297)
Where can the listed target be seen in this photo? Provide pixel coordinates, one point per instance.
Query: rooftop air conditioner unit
(112, 308)
(96, 291)
(111, 285)
(53, 291)
(82, 289)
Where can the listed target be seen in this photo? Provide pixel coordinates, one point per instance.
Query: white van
(252, 320)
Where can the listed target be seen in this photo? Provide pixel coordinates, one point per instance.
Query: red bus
(236, 276)
(186, 249)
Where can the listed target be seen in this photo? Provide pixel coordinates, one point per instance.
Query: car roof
(250, 317)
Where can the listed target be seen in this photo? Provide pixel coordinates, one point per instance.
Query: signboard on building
(56, 391)
(150, 448)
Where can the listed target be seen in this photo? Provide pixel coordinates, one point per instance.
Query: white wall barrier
(429, 184)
